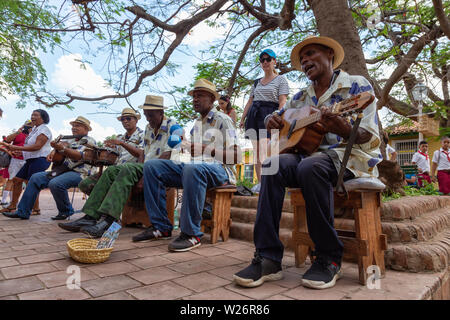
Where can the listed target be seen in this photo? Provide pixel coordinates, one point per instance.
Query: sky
(65, 74)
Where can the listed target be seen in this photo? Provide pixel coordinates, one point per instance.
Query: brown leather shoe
(8, 209)
(35, 212)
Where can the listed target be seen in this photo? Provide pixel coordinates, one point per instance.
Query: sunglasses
(125, 118)
(265, 59)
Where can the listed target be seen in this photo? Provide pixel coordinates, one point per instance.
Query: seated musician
(214, 150)
(318, 58)
(129, 145)
(111, 192)
(66, 175)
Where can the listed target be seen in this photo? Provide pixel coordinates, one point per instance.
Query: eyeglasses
(125, 118)
(265, 59)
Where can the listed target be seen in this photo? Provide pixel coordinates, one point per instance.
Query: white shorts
(14, 166)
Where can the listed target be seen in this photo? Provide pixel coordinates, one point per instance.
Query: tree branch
(443, 19)
(406, 62)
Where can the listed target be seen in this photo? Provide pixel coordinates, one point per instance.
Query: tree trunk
(341, 27)
(334, 19)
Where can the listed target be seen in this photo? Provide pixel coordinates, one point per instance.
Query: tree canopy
(392, 43)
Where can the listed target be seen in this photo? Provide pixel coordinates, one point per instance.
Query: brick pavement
(34, 260)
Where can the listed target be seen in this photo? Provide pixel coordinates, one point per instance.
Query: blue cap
(269, 52)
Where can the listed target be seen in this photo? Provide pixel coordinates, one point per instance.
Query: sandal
(8, 209)
(36, 212)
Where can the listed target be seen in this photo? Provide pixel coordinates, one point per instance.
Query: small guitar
(300, 132)
(58, 157)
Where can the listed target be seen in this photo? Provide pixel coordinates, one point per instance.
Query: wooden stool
(135, 212)
(220, 222)
(366, 242)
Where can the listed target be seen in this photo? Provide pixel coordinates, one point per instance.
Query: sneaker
(256, 188)
(184, 242)
(322, 274)
(260, 270)
(152, 234)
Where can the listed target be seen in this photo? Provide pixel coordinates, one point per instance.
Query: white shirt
(441, 159)
(389, 151)
(422, 162)
(31, 139)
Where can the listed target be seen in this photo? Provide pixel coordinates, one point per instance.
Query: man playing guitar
(318, 58)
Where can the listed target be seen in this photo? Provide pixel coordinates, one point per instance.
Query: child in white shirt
(441, 163)
(422, 160)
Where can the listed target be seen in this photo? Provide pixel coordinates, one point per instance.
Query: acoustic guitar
(301, 131)
(58, 157)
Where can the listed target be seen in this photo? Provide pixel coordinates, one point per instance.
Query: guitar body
(305, 140)
(302, 131)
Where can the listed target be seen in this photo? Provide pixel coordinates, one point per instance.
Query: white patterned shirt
(364, 157)
(211, 131)
(136, 140)
(156, 144)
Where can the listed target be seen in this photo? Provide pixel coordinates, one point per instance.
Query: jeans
(58, 187)
(194, 178)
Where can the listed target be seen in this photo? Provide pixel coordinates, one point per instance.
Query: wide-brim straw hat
(325, 41)
(129, 112)
(205, 85)
(83, 121)
(153, 103)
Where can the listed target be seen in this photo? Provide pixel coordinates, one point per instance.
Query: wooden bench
(135, 212)
(220, 222)
(366, 243)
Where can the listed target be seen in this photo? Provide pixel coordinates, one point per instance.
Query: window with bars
(405, 150)
(248, 172)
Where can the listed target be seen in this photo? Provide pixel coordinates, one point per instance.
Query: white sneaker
(256, 188)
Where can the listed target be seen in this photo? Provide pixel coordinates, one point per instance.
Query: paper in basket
(110, 235)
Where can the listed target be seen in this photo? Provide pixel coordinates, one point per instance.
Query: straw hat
(153, 103)
(129, 112)
(83, 121)
(325, 41)
(205, 85)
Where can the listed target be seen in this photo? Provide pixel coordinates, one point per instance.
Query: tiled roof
(402, 129)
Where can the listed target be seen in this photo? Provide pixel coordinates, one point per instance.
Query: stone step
(422, 228)
(252, 203)
(249, 216)
(425, 256)
(412, 207)
(395, 210)
(244, 231)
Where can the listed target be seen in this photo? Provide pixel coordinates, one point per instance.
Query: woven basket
(84, 250)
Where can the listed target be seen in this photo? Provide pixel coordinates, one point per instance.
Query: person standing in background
(441, 163)
(225, 106)
(35, 151)
(18, 139)
(268, 95)
(422, 160)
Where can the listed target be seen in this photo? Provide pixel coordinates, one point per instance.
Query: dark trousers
(316, 176)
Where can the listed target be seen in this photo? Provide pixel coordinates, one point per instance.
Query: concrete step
(244, 231)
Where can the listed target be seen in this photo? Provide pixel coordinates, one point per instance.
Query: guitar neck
(302, 123)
